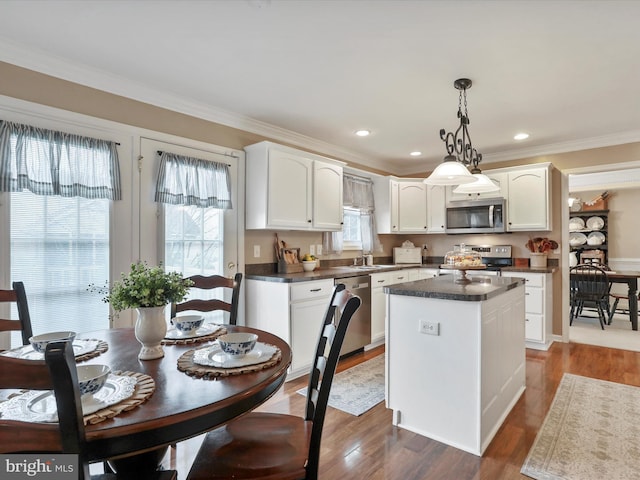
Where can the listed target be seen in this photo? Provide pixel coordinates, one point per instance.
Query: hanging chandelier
(460, 152)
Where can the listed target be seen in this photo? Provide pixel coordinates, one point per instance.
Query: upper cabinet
(409, 206)
(436, 208)
(412, 206)
(529, 199)
(291, 189)
(527, 192)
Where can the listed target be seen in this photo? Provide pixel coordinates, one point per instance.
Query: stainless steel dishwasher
(359, 331)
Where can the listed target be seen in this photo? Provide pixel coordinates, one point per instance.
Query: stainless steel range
(494, 257)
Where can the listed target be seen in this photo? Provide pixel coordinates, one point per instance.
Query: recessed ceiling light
(415, 154)
(521, 136)
(363, 133)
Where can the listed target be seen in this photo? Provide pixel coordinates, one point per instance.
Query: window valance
(48, 162)
(193, 181)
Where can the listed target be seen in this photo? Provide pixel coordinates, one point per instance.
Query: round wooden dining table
(182, 406)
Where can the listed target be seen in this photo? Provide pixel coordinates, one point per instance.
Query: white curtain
(47, 162)
(192, 181)
(357, 195)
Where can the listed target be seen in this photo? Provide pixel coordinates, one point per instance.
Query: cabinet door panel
(436, 208)
(327, 196)
(533, 327)
(412, 207)
(528, 203)
(306, 319)
(289, 191)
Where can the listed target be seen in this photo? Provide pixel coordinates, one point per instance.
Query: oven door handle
(491, 223)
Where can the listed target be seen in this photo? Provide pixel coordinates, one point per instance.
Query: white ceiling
(311, 72)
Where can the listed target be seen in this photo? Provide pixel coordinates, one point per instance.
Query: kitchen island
(455, 357)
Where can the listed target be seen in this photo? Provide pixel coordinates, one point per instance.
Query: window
(60, 189)
(351, 230)
(195, 193)
(59, 246)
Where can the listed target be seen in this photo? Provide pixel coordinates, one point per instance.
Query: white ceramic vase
(150, 330)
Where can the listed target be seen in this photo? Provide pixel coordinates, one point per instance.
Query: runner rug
(358, 388)
(592, 432)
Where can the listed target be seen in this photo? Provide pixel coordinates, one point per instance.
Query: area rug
(358, 388)
(592, 432)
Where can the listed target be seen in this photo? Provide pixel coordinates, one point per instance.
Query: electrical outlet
(312, 250)
(256, 251)
(319, 249)
(430, 328)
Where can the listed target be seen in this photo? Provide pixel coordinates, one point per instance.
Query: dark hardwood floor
(369, 447)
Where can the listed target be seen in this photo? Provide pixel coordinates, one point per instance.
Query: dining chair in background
(278, 446)
(616, 299)
(211, 305)
(23, 323)
(57, 373)
(589, 287)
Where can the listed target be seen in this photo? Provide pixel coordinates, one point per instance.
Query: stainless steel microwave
(476, 216)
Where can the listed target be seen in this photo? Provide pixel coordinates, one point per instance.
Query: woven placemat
(100, 349)
(186, 365)
(192, 340)
(145, 386)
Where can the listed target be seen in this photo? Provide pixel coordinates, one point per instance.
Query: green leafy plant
(145, 286)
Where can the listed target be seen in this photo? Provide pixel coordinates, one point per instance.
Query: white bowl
(308, 265)
(39, 342)
(187, 323)
(237, 344)
(92, 378)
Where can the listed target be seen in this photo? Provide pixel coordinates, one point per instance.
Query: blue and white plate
(40, 406)
(213, 356)
(80, 347)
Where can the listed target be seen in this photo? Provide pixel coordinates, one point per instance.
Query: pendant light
(483, 184)
(460, 151)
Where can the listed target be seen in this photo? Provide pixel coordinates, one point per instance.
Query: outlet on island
(430, 328)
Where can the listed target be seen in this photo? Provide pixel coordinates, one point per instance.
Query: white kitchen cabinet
(436, 208)
(385, 192)
(292, 311)
(412, 207)
(529, 200)
(379, 299)
(402, 206)
(538, 308)
(291, 189)
(378, 305)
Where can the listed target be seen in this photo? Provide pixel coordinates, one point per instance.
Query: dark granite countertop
(331, 272)
(444, 288)
(351, 271)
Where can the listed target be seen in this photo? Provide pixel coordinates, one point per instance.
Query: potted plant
(149, 290)
(539, 248)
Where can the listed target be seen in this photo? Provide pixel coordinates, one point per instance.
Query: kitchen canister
(538, 260)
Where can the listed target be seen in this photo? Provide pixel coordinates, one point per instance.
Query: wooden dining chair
(616, 299)
(57, 373)
(23, 323)
(211, 305)
(589, 286)
(279, 446)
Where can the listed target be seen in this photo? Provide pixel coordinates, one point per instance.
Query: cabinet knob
(309, 221)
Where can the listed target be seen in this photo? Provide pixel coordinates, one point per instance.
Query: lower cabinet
(292, 311)
(379, 300)
(538, 308)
